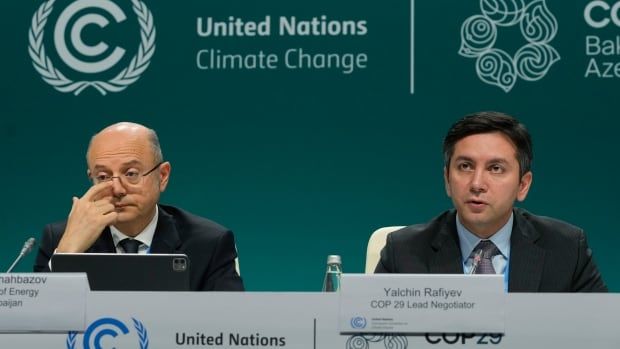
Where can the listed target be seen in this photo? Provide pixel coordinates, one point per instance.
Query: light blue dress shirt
(501, 239)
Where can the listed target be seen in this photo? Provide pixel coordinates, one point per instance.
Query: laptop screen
(127, 272)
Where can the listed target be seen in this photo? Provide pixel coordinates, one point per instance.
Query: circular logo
(358, 322)
(496, 67)
(71, 24)
(107, 327)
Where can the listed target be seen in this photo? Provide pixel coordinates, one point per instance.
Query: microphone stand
(25, 250)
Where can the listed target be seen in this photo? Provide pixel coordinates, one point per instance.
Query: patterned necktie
(130, 245)
(489, 250)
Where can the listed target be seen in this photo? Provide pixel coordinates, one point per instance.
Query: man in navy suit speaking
(487, 167)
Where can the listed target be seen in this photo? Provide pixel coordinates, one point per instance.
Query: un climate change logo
(74, 20)
(362, 341)
(496, 67)
(358, 322)
(105, 327)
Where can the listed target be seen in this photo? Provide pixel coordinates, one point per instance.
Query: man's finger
(97, 191)
(74, 201)
(109, 218)
(103, 201)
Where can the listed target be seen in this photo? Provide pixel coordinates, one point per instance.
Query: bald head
(129, 130)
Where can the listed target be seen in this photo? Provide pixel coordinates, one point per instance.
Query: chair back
(375, 245)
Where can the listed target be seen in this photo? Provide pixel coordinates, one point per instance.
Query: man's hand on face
(89, 215)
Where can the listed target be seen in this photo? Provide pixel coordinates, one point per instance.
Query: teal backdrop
(306, 162)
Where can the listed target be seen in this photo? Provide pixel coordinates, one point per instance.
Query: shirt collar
(501, 239)
(145, 236)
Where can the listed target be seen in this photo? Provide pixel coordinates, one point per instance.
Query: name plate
(43, 302)
(417, 303)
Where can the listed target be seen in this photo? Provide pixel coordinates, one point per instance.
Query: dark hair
(487, 122)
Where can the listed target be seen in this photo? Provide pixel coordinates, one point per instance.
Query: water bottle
(332, 275)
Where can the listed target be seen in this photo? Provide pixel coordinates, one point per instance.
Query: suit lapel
(166, 238)
(526, 258)
(447, 256)
(104, 244)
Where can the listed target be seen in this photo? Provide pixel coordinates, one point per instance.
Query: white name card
(43, 302)
(417, 303)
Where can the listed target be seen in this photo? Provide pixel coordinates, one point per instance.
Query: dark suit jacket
(209, 246)
(546, 255)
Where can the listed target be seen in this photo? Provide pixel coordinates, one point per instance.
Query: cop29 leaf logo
(107, 327)
(89, 13)
(496, 67)
(389, 341)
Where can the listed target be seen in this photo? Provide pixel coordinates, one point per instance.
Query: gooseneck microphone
(25, 250)
(477, 259)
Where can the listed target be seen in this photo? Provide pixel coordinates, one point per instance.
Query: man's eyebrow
(463, 158)
(498, 161)
(124, 164)
(490, 161)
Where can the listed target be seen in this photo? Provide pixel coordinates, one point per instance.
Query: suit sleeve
(221, 273)
(47, 245)
(386, 262)
(587, 277)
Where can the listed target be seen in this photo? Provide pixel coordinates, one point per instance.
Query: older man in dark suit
(119, 213)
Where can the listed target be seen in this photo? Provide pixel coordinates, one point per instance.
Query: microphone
(477, 259)
(25, 250)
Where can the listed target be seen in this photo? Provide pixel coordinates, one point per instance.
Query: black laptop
(127, 272)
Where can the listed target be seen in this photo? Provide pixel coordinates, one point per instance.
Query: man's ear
(524, 186)
(164, 175)
(446, 181)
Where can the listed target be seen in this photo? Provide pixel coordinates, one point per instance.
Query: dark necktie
(130, 245)
(489, 250)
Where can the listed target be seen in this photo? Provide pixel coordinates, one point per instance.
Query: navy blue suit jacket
(546, 255)
(209, 246)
